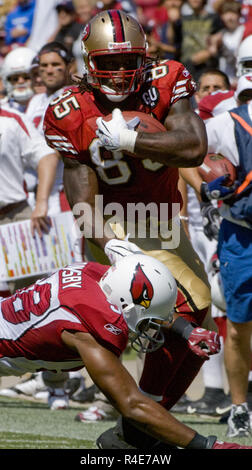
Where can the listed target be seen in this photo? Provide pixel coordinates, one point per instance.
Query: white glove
(118, 249)
(117, 134)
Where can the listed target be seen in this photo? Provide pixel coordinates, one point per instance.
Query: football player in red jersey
(83, 315)
(119, 76)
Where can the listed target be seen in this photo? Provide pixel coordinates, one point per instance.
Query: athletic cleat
(43, 395)
(120, 437)
(11, 392)
(73, 385)
(92, 414)
(181, 405)
(83, 395)
(27, 387)
(113, 439)
(239, 422)
(225, 406)
(224, 418)
(57, 399)
(208, 404)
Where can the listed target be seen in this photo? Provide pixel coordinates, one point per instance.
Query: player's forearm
(192, 177)
(182, 146)
(114, 380)
(46, 176)
(81, 188)
(153, 419)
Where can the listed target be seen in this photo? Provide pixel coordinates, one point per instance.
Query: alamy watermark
(152, 220)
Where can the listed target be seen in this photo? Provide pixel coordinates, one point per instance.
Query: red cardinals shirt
(70, 124)
(32, 320)
(216, 103)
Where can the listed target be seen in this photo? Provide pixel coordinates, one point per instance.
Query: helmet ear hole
(123, 303)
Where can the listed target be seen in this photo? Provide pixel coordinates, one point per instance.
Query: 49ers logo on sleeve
(141, 288)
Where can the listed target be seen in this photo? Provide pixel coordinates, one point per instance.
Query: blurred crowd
(199, 33)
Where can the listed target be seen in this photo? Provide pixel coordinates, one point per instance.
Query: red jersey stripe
(5, 113)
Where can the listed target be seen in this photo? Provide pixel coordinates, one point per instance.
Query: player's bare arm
(83, 179)
(191, 176)
(116, 383)
(47, 168)
(82, 200)
(185, 143)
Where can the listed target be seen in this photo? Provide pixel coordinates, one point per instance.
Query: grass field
(27, 424)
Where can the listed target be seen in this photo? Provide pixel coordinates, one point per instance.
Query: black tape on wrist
(182, 327)
(198, 442)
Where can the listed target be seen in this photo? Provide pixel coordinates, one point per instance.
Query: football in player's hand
(215, 165)
(147, 122)
(144, 123)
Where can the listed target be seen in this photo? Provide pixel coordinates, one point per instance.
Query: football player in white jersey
(17, 74)
(21, 144)
(53, 62)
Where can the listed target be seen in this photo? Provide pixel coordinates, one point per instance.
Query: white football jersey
(35, 112)
(21, 145)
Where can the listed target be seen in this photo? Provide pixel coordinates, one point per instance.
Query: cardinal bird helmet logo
(141, 288)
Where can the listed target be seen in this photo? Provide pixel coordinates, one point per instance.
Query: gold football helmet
(114, 50)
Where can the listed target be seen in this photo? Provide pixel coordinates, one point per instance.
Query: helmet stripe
(118, 30)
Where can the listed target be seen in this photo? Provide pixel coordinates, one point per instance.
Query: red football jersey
(32, 320)
(122, 178)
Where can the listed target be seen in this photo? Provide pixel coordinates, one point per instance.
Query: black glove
(210, 219)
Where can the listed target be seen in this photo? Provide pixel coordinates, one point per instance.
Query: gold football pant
(166, 374)
(185, 266)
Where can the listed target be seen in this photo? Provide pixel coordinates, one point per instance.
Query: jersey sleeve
(106, 325)
(33, 146)
(64, 128)
(217, 127)
(183, 83)
(59, 135)
(80, 291)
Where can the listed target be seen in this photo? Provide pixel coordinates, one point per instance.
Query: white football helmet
(18, 61)
(108, 34)
(217, 292)
(145, 291)
(244, 57)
